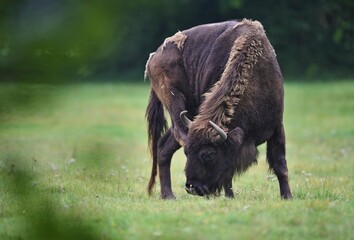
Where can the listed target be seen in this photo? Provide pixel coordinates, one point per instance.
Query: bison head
(210, 159)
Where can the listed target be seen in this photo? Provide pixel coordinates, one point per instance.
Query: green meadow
(74, 164)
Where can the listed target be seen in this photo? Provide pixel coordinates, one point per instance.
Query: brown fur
(146, 72)
(179, 38)
(221, 100)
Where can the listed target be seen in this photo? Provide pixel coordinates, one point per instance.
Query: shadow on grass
(31, 211)
(45, 217)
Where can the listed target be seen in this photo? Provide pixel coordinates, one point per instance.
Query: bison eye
(207, 157)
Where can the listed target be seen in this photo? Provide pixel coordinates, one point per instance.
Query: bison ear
(236, 135)
(185, 119)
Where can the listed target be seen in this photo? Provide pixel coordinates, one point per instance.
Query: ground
(74, 164)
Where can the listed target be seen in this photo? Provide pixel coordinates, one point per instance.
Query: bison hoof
(168, 196)
(287, 196)
(229, 195)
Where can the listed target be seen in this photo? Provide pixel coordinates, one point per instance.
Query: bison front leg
(277, 161)
(228, 188)
(172, 140)
(180, 130)
(167, 146)
(236, 137)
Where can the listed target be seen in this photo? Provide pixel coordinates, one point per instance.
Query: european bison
(223, 88)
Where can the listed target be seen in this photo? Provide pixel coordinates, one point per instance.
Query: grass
(74, 164)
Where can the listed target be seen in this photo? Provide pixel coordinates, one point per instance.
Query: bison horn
(222, 133)
(185, 119)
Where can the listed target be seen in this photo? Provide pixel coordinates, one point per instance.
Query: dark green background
(76, 40)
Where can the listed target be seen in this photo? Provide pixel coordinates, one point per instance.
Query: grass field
(74, 164)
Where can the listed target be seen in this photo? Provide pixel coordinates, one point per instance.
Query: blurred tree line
(50, 40)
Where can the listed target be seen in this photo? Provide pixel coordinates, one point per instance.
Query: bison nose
(191, 189)
(197, 189)
(188, 187)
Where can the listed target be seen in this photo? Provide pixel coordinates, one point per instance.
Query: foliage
(51, 40)
(74, 164)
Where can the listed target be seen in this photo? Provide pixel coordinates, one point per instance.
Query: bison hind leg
(277, 162)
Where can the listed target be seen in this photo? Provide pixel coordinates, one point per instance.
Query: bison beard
(222, 86)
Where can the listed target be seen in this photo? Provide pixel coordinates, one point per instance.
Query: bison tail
(157, 125)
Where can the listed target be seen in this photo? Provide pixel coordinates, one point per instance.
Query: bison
(223, 89)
